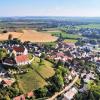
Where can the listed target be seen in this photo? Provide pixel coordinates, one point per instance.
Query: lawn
(36, 77)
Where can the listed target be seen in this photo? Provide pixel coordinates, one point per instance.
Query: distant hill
(57, 18)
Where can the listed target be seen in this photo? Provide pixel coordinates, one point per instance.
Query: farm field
(5, 35)
(37, 76)
(92, 26)
(30, 35)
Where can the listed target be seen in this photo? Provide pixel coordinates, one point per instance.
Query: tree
(41, 92)
(60, 36)
(63, 70)
(91, 96)
(1, 95)
(12, 92)
(43, 55)
(82, 62)
(81, 96)
(59, 63)
(3, 53)
(89, 93)
(41, 61)
(13, 55)
(52, 88)
(7, 97)
(94, 91)
(58, 80)
(10, 37)
(4, 31)
(16, 40)
(39, 29)
(58, 71)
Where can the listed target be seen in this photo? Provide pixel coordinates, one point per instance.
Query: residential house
(7, 82)
(22, 60)
(20, 50)
(37, 53)
(21, 97)
(70, 45)
(19, 60)
(69, 95)
(9, 62)
(30, 94)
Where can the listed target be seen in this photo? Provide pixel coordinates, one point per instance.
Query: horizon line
(51, 16)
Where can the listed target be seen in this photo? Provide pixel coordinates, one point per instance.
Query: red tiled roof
(18, 48)
(30, 94)
(70, 94)
(70, 58)
(17, 98)
(66, 57)
(61, 54)
(8, 82)
(22, 58)
(22, 97)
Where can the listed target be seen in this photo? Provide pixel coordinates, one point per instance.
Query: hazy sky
(50, 8)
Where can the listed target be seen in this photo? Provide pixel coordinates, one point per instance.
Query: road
(65, 89)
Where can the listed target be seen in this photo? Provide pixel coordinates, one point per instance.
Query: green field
(97, 26)
(70, 41)
(66, 35)
(37, 76)
(31, 81)
(45, 68)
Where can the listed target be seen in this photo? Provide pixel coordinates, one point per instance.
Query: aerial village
(78, 65)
